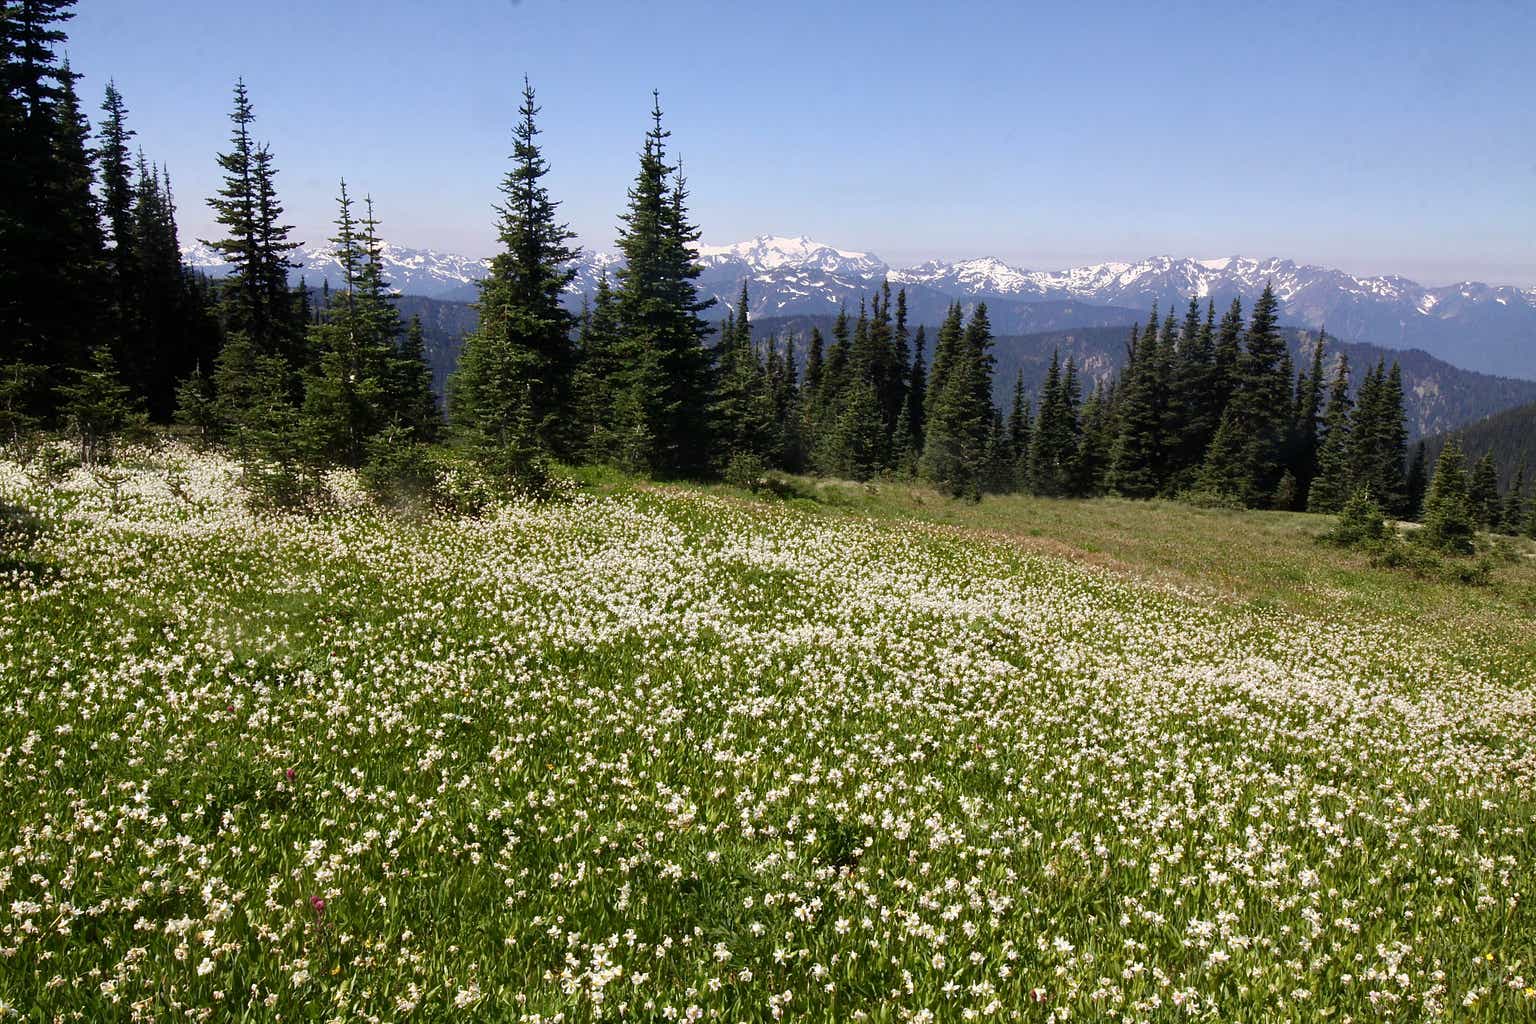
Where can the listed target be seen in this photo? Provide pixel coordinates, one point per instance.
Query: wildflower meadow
(668, 755)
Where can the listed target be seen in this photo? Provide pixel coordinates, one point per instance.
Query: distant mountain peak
(1474, 325)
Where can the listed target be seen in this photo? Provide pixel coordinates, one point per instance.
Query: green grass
(655, 753)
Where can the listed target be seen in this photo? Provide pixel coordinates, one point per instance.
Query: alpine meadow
(755, 632)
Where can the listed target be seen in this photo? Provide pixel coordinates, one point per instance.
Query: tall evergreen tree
(1417, 483)
(255, 299)
(516, 367)
(1483, 493)
(1195, 386)
(1335, 480)
(51, 299)
(1448, 521)
(1248, 461)
(1054, 440)
(666, 368)
(1305, 431)
(118, 207)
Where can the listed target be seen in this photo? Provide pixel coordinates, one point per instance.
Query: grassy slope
(1254, 560)
(673, 750)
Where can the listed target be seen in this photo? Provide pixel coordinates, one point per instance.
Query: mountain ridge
(1488, 328)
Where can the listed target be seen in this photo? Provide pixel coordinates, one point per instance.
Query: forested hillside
(1509, 437)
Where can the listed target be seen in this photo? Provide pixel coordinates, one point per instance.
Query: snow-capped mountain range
(1474, 325)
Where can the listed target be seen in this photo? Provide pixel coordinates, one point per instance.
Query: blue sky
(1376, 137)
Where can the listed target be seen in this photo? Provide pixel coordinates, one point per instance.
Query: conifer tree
(117, 206)
(346, 372)
(516, 367)
(1335, 480)
(1227, 353)
(1483, 492)
(255, 245)
(51, 298)
(1018, 434)
(1448, 522)
(1417, 483)
(98, 407)
(1514, 504)
(917, 389)
(1139, 454)
(1247, 461)
(666, 369)
(1305, 430)
(1096, 442)
(1054, 440)
(956, 443)
(1195, 384)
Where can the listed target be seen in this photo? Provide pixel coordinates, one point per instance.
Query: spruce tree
(118, 207)
(1448, 523)
(666, 369)
(98, 407)
(1335, 480)
(917, 389)
(516, 367)
(52, 275)
(1483, 492)
(255, 243)
(1417, 483)
(1306, 428)
(1095, 443)
(1247, 461)
(1054, 439)
(1195, 386)
(1513, 517)
(1139, 453)
(1018, 434)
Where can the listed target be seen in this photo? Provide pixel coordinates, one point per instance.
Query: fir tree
(917, 389)
(1417, 483)
(1139, 454)
(255, 243)
(51, 297)
(1513, 517)
(1195, 386)
(1247, 461)
(1335, 480)
(98, 407)
(409, 385)
(1448, 522)
(1018, 433)
(118, 208)
(955, 451)
(1305, 430)
(666, 369)
(1054, 440)
(516, 367)
(1483, 492)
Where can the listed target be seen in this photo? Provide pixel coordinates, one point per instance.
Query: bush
(400, 472)
(280, 486)
(1360, 522)
(1204, 497)
(746, 469)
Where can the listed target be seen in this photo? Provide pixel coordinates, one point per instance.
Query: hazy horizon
(1392, 142)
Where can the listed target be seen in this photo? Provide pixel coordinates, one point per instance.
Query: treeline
(98, 316)
(106, 328)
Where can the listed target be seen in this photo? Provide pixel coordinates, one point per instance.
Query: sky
(1377, 137)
